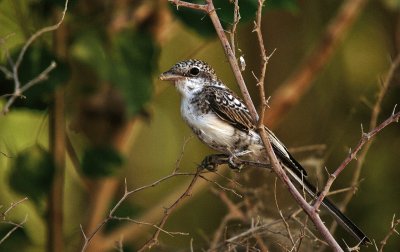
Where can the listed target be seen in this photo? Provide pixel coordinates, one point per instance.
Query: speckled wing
(231, 108)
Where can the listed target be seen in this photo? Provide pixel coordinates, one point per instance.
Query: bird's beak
(169, 76)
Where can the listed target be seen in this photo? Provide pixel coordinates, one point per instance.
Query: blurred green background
(122, 122)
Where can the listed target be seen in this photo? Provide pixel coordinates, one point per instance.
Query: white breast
(213, 129)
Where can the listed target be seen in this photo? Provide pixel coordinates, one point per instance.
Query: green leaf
(132, 65)
(32, 173)
(127, 63)
(88, 49)
(101, 161)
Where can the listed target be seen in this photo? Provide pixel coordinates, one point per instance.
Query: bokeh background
(121, 122)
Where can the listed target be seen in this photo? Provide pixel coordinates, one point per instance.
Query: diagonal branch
(3, 216)
(154, 240)
(366, 138)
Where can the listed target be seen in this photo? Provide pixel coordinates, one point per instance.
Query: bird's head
(190, 75)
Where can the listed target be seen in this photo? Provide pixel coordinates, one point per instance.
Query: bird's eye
(194, 71)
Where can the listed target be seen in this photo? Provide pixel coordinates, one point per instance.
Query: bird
(221, 120)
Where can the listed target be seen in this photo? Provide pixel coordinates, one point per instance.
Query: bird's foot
(235, 163)
(211, 162)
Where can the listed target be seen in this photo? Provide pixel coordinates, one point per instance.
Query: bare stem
(4, 214)
(154, 240)
(392, 231)
(13, 74)
(236, 18)
(111, 216)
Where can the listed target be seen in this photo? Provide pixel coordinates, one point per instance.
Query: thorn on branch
(270, 55)
(256, 27)
(255, 77)
(267, 101)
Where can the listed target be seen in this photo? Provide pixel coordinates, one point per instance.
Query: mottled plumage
(222, 121)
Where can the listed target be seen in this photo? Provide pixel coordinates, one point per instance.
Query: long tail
(345, 222)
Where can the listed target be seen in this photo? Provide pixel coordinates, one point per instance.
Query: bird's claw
(211, 162)
(235, 163)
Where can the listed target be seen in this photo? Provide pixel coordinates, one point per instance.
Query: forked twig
(4, 214)
(20, 88)
(392, 231)
(127, 193)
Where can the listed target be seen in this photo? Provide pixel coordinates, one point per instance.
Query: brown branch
(200, 7)
(236, 19)
(372, 124)
(290, 92)
(232, 60)
(57, 120)
(273, 159)
(366, 139)
(264, 61)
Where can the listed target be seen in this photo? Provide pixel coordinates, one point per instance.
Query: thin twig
(12, 206)
(13, 74)
(4, 214)
(178, 161)
(283, 218)
(111, 216)
(222, 187)
(236, 19)
(355, 181)
(392, 231)
(16, 226)
(154, 240)
(366, 137)
(372, 124)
